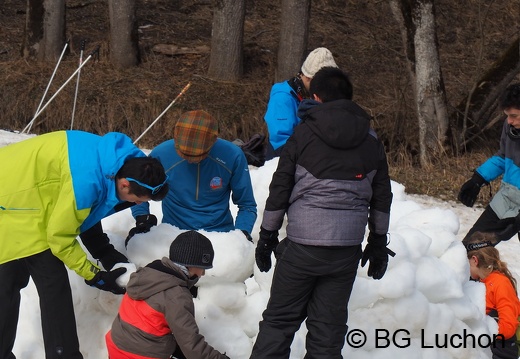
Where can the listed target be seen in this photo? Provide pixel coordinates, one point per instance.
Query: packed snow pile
(424, 307)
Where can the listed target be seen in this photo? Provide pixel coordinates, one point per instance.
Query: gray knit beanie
(318, 58)
(192, 249)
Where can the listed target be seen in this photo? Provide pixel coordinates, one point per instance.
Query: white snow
(424, 307)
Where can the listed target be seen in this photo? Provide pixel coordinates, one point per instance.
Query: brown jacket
(157, 315)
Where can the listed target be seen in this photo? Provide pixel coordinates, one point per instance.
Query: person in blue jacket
(281, 115)
(204, 172)
(501, 215)
(53, 187)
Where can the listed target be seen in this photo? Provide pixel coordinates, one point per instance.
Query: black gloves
(107, 281)
(248, 236)
(265, 246)
(143, 224)
(470, 190)
(98, 244)
(109, 257)
(377, 253)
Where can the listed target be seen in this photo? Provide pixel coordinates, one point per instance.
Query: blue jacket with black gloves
(506, 161)
(199, 192)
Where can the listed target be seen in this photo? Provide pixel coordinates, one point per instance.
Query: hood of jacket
(341, 123)
(156, 277)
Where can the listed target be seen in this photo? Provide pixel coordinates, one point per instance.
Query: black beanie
(192, 249)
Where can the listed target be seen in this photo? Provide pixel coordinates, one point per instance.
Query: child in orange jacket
(502, 302)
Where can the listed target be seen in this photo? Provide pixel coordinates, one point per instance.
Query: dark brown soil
(362, 34)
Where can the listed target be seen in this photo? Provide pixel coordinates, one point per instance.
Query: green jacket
(51, 186)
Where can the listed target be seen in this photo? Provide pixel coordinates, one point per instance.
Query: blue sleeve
(141, 209)
(492, 168)
(281, 117)
(242, 194)
(495, 165)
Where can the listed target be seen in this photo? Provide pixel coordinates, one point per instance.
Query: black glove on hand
(109, 257)
(107, 281)
(248, 236)
(143, 224)
(98, 244)
(469, 191)
(265, 246)
(377, 253)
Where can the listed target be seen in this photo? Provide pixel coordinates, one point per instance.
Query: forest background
(364, 36)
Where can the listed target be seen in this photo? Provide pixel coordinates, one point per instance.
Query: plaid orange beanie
(194, 135)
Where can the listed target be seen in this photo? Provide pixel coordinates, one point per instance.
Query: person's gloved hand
(98, 244)
(143, 224)
(265, 246)
(109, 257)
(469, 191)
(107, 281)
(376, 252)
(248, 236)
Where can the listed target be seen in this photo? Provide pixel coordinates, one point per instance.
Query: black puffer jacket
(332, 178)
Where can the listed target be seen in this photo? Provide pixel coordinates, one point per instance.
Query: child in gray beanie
(156, 318)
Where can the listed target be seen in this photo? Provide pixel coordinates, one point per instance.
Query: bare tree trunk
(44, 35)
(403, 14)
(124, 39)
(294, 32)
(431, 96)
(418, 30)
(226, 58)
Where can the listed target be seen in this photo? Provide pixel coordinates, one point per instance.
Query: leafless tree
(44, 35)
(476, 113)
(418, 29)
(293, 37)
(226, 58)
(124, 39)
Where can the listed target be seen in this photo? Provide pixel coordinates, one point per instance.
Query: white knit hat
(318, 58)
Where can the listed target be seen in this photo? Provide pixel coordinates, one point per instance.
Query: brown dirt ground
(362, 35)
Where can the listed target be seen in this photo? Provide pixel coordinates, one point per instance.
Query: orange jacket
(501, 296)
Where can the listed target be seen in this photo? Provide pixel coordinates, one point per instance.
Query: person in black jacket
(331, 181)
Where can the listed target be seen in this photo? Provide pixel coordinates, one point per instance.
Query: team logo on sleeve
(215, 183)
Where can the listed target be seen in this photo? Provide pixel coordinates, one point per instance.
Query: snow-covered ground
(424, 307)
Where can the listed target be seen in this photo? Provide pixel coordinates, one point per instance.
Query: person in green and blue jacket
(53, 187)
